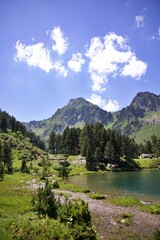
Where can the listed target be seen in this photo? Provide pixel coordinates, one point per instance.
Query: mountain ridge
(143, 110)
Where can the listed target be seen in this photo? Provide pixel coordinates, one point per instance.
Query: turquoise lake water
(141, 183)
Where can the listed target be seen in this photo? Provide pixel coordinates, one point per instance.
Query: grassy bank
(14, 201)
(16, 192)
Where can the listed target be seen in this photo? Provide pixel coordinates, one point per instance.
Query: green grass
(96, 196)
(74, 188)
(125, 201)
(146, 132)
(151, 208)
(147, 163)
(14, 200)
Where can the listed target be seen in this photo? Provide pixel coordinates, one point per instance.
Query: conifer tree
(52, 141)
(7, 157)
(109, 152)
(89, 158)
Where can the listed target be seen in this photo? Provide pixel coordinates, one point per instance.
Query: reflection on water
(142, 183)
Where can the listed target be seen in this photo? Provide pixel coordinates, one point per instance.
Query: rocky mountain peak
(146, 101)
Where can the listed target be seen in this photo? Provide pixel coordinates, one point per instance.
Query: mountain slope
(142, 113)
(76, 113)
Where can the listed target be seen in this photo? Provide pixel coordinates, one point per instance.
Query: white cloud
(108, 58)
(60, 69)
(139, 19)
(38, 56)
(60, 42)
(110, 106)
(34, 55)
(134, 68)
(76, 62)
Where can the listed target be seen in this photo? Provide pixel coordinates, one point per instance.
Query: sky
(51, 51)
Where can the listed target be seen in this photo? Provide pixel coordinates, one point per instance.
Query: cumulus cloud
(60, 68)
(38, 56)
(110, 106)
(111, 56)
(60, 42)
(134, 68)
(34, 55)
(76, 62)
(139, 19)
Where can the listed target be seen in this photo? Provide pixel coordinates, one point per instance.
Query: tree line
(8, 122)
(151, 147)
(100, 145)
(95, 143)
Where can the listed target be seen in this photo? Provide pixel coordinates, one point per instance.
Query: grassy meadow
(16, 190)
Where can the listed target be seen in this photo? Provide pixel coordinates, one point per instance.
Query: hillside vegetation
(142, 113)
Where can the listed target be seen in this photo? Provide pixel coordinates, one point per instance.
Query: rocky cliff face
(132, 118)
(78, 112)
(146, 101)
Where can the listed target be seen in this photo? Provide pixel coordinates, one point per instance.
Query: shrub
(55, 184)
(125, 201)
(157, 235)
(24, 167)
(40, 229)
(44, 201)
(102, 167)
(96, 196)
(153, 165)
(151, 208)
(78, 218)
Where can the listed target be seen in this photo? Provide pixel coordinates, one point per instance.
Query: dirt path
(111, 223)
(110, 220)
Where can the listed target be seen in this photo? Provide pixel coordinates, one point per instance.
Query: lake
(140, 183)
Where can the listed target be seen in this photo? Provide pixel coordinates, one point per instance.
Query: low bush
(157, 235)
(78, 218)
(125, 201)
(96, 196)
(151, 208)
(40, 229)
(74, 188)
(55, 184)
(71, 216)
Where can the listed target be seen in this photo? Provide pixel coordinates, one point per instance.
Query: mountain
(76, 113)
(143, 114)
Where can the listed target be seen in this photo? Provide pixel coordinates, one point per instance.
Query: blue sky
(53, 50)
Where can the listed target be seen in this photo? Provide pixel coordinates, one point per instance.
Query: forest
(101, 146)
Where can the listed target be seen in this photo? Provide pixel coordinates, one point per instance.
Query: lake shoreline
(142, 184)
(117, 221)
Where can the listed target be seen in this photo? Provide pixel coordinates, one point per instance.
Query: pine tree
(98, 155)
(109, 152)
(89, 158)
(52, 140)
(7, 157)
(24, 167)
(44, 201)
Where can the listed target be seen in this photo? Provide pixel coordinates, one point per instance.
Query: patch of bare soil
(111, 222)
